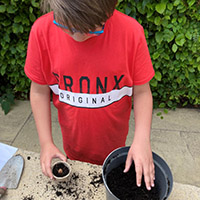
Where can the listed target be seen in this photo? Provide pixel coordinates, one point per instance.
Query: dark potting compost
(60, 170)
(123, 185)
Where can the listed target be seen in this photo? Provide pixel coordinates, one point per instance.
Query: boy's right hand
(48, 152)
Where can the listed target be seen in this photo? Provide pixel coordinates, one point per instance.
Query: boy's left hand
(141, 154)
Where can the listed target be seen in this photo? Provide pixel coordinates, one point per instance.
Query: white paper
(6, 152)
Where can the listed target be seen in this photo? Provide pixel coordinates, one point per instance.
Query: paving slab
(172, 147)
(54, 113)
(28, 138)
(192, 141)
(182, 119)
(13, 122)
(184, 192)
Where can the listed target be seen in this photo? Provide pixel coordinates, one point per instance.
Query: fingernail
(152, 185)
(139, 185)
(149, 188)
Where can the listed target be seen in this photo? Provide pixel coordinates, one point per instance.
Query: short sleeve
(143, 68)
(33, 64)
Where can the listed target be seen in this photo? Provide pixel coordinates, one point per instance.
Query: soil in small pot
(123, 185)
(60, 170)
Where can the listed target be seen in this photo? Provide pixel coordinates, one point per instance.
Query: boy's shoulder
(43, 21)
(125, 17)
(126, 21)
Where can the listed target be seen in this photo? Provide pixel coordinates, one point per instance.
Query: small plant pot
(61, 170)
(163, 175)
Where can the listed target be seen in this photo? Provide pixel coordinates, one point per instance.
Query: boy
(94, 59)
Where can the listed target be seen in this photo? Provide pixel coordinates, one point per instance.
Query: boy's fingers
(149, 176)
(138, 170)
(49, 172)
(152, 175)
(147, 180)
(128, 164)
(62, 157)
(43, 169)
(46, 169)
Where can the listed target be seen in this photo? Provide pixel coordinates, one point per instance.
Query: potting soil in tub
(123, 185)
(60, 170)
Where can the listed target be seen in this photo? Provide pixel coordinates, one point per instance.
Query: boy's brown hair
(83, 15)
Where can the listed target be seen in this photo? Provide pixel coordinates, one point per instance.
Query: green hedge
(172, 30)
(16, 19)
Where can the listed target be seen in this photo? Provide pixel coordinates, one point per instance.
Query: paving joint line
(164, 129)
(21, 128)
(186, 144)
(187, 184)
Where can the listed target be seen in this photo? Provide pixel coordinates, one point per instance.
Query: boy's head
(81, 15)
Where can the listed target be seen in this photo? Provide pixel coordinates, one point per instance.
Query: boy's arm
(40, 103)
(140, 151)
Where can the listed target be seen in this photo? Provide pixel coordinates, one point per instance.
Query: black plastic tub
(163, 175)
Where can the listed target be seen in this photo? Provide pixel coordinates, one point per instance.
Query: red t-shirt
(91, 81)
